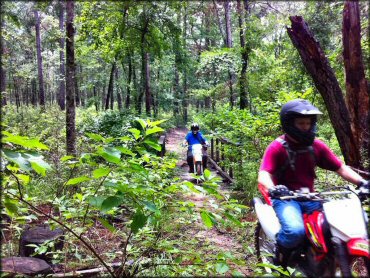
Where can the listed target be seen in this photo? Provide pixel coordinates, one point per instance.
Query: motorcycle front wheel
(264, 246)
(198, 168)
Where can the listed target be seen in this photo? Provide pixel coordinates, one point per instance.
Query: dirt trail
(221, 240)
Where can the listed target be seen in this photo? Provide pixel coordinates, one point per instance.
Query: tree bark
(148, 93)
(2, 53)
(129, 81)
(62, 72)
(244, 53)
(219, 21)
(39, 60)
(357, 96)
(34, 92)
(185, 74)
(110, 87)
(77, 91)
(229, 41)
(326, 83)
(70, 84)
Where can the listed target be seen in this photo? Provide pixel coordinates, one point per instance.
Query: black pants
(190, 160)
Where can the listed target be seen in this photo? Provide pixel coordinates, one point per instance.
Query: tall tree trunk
(96, 99)
(62, 73)
(34, 92)
(326, 83)
(185, 74)
(39, 60)
(176, 106)
(129, 82)
(357, 96)
(77, 91)
(219, 21)
(70, 83)
(148, 93)
(103, 102)
(207, 28)
(118, 88)
(229, 38)
(110, 86)
(119, 101)
(229, 44)
(244, 54)
(2, 53)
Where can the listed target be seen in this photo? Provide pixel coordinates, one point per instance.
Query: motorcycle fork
(341, 253)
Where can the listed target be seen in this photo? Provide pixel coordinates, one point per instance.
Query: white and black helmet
(299, 108)
(194, 126)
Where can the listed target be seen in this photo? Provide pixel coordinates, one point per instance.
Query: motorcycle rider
(289, 164)
(194, 136)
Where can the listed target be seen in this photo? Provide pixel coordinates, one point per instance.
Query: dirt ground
(221, 240)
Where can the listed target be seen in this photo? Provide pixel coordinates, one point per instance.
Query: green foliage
(252, 131)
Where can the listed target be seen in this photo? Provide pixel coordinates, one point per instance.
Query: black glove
(279, 191)
(364, 184)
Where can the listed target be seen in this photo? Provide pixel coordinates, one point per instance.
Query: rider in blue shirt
(195, 137)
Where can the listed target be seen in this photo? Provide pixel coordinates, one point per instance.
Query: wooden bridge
(220, 154)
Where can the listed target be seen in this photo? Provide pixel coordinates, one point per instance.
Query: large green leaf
(110, 154)
(100, 172)
(153, 145)
(96, 201)
(141, 122)
(222, 268)
(155, 123)
(96, 137)
(107, 225)
(11, 206)
(207, 220)
(125, 150)
(233, 219)
(24, 141)
(38, 163)
(153, 130)
(136, 167)
(17, 158)
(77, 180)
(138, 221)
(151, 206)
(111, 202)
(135, 132)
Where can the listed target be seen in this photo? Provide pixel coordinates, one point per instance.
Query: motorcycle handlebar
(316, 196)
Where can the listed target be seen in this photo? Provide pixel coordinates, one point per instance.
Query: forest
(93, 93)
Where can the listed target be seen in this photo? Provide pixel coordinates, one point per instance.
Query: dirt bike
(197, 151)
(337, 241)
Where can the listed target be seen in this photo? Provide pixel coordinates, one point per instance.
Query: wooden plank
(221, 172)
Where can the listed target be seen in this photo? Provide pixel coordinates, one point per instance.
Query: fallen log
(221, 172)
(24, 265)
(39, 235)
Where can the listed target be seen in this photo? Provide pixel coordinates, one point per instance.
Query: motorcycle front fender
(267, 217)
(358, 247)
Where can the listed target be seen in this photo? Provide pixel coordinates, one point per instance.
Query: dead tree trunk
(317, 65)
(110, 87)
(39, 60)
(70, 85)
(357, 96)
(2, 69)
(62, 71)
(244, 54)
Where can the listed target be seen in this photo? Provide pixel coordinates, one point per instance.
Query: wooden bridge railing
(219, 155)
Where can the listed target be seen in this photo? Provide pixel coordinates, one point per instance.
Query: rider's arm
(265, 179)
(349, 175)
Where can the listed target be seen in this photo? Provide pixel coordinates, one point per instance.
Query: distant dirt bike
(197, 151)
(337, 241)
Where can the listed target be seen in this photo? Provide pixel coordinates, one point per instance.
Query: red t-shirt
(276, 156)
